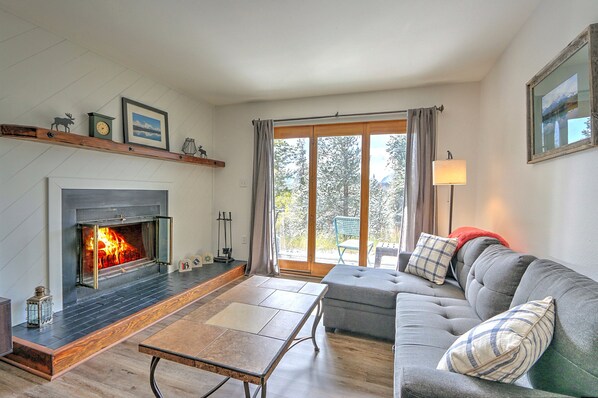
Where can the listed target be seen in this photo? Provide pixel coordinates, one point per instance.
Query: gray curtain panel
(419, 200)
(262, 248)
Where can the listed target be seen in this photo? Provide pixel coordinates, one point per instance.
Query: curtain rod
(337, 115)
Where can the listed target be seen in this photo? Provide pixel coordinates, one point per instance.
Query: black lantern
(189, 147)
(39, 308)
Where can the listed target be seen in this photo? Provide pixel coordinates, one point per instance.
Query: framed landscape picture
(144, 125)
(561, 104)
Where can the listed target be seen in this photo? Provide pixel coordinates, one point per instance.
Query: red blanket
(464, 234)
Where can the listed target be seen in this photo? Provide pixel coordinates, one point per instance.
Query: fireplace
(112, 238)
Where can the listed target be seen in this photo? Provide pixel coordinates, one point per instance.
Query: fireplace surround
(112, 237)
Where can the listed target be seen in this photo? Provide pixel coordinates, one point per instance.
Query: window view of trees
(338, 192)
(387, 186)
(291, 193)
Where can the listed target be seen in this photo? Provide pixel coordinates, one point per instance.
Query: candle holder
(39, 308)
(189, 147)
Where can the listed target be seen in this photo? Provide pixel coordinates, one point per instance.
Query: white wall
(457, 131)
(43, 76)
(549, 208)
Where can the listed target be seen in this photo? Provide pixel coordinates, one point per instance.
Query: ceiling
(233, 51)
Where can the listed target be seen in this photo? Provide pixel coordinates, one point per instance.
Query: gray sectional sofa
(486, 279)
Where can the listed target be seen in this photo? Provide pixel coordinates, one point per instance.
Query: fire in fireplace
(113, 247)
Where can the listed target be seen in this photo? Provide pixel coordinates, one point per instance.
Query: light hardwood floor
(347, 366)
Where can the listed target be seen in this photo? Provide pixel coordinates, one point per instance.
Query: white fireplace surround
(55, 187)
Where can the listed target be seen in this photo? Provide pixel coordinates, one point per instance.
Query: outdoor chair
(347, 236)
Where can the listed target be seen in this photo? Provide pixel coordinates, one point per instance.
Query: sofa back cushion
(467, 255)
(569, 365)
(493, 279)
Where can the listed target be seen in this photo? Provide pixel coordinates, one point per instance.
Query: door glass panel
(338, 199)
(291, 197)
(164, 240)
(387, 185)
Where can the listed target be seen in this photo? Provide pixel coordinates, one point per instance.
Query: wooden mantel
(80, 141)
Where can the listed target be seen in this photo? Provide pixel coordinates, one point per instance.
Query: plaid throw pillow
(431, 257)
(504, 347)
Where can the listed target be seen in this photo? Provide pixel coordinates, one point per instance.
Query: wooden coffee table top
(244, 332)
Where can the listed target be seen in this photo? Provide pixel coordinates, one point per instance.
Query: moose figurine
(63, 121)
(202, 152)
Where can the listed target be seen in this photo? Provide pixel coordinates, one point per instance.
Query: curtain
(419, 200)
(262, 247)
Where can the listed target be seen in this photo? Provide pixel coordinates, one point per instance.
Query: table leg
(378, 258)
(153, 383)
(319, 313)
(264, 390)
(261, 387)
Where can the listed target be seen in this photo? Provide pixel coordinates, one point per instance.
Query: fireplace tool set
(227, 250)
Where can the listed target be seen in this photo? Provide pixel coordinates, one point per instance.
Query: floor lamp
(449, 172)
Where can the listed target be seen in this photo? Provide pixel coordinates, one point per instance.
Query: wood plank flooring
(347, 366)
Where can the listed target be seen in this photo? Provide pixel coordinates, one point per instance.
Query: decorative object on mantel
(449, 172)
(144, 125)
(227, 250)
(562, 111)
(208, 258)
(202, 152)
(185, 265)
(63, 121)
(39, 308)
(100, 126)
(197, 261)
(44, 135)
(189, 147)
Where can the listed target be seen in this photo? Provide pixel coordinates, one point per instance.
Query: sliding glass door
(323, 178)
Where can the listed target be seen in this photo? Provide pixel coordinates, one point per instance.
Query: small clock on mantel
(100, 126)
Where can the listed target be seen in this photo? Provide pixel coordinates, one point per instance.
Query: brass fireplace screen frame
(163, 225)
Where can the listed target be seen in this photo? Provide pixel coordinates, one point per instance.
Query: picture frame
(197, 261)
(185, 265)
(208, 258)
(145, 125)
(562, 109)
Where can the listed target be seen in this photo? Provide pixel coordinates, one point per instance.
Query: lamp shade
(449, 172)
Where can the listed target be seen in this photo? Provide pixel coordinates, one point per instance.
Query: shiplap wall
(43, 76)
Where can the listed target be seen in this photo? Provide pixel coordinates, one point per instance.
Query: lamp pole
(450, 228)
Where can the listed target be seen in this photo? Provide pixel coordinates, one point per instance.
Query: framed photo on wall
(561, 104)
(144, 125)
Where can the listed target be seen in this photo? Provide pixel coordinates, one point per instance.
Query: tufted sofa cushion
(427, 326)
(493, 279)
(569, 365)
(379, 287)
(466, 256)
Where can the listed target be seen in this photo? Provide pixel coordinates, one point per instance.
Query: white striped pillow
(504, 347)
(431, 257)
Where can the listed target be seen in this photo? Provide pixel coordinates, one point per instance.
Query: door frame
(313, 132)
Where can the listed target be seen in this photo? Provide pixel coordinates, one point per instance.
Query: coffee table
(242, 334)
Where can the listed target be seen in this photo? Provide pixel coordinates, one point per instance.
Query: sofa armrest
(420, 382)
(403, 260)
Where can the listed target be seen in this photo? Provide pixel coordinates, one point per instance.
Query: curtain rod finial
(441, 108)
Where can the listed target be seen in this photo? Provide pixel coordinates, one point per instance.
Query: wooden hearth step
(85, 329)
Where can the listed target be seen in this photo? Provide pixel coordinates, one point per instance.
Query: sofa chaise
(487, 279)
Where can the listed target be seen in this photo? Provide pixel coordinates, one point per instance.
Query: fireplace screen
(111, 248)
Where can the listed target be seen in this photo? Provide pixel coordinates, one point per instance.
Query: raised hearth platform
(85, 329)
